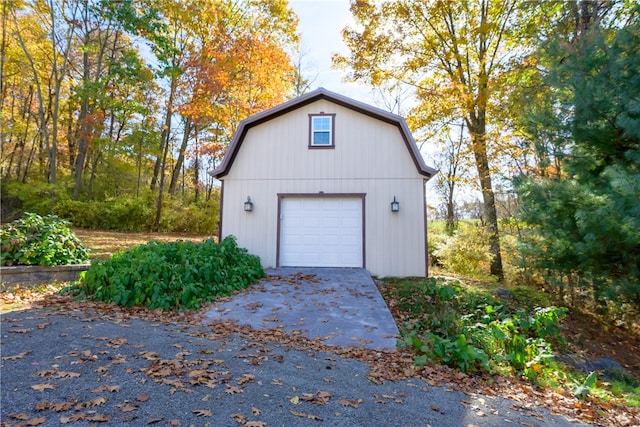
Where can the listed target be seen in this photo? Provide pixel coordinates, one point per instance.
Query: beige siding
(364, 148)
(369, 157)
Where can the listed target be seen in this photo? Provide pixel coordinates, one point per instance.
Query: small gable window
(321, 132)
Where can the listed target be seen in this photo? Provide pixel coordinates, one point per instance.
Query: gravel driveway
(85, 364)
(61, 368)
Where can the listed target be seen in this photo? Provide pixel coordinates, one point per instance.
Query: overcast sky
(320, 28)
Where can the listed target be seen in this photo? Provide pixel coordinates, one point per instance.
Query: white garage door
(321, 232)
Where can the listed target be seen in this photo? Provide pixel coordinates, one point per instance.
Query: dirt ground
(105, 243)
(587, 334)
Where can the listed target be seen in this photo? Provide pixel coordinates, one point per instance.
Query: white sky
(320, 27)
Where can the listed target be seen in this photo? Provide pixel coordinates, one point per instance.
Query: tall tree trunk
(12, 156)
(165, 136)
(41, 120)
(139, 167)
(59, 74)
(156, 222)
(3, 46)
(83, 134)
(175, 175)
(477, 129)
(29, 159)
(94, 167)
(196, 169)
(162, 160)
(451, 215)
(71, 141)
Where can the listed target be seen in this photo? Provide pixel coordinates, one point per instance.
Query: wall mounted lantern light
(248, 205)
(395, 205)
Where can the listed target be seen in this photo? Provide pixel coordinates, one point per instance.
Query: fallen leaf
(99, 418)
(174, 423)
(36, 421)
(246, 378)
(21, 417)
(239, 418)
(206, 398)
(255, 411)
(352, 403)
(77, 417)
(43, 387)
(63, 374)
(202, 412)
(304, 415)
(307, 397)
(16, 356)
(323, 397)
(142, 397)
(95, 402)
(21, 331)
(232, 390)
(43, 405)
(109, 388)
(65, 420)
(255, 424)
(129, 408)
(61, 407)
(155, 420)
(295, 400)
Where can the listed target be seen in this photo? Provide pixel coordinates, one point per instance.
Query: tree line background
(108, 107)
(111, 111)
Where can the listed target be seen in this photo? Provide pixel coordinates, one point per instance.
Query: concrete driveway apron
(341, 306)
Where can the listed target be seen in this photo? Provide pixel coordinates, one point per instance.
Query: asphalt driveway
(340, 306)
(84, 363)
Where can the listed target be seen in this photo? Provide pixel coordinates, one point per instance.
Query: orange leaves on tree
(235, 65)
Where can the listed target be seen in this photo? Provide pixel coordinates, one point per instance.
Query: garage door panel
(321, 232)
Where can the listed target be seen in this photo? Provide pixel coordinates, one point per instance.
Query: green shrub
(124, 212)
(80, 214)
(36, 197)
(129, 214)
(199, 218)
(470, 330)
(36, 240)
(466, 252)
(172, 275)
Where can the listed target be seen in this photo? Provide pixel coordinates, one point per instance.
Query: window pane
(322, 123)
(321, 138)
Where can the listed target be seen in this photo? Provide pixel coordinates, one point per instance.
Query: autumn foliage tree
(454, 54)
(236, 65)
(130, 100)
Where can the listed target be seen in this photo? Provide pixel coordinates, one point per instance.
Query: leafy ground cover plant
(467, 327)
(37, 240)
(170, 275)
(472, 330)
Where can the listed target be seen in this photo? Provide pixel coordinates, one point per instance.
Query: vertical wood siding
(370, 157)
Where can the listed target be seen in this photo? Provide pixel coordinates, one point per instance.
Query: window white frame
(322, 130)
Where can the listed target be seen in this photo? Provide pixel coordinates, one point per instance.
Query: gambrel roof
(316, 95)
